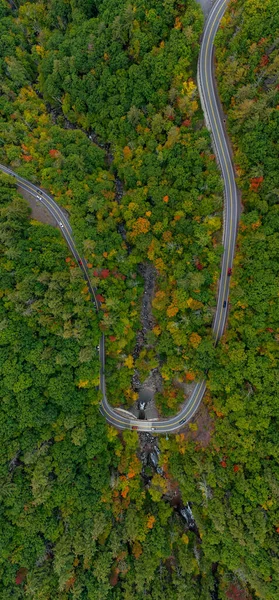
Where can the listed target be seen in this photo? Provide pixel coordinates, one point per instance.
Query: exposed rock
(153, 459)
(148, 272)
(15, 462)
(48, 554)
(187, 514)
(119, 189)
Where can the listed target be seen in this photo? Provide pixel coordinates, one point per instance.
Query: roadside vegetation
(235, 480)
(125, 77)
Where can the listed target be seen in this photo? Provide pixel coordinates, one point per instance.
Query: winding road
(117, 417)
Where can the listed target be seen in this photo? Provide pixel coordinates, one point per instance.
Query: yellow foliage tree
(195, 340)
(158, 487)
(141, 225)
(189, 87)
(159, 302)
(111, 433)
(150, 521)
(185, 539)
(173, 137)
(172, 310)
(194, 106)
(83, 384)
(157, 330)
(129, 362)
(151, 250)
(194, 304)
(127, 152)
(159, 264)
(137, 549)
(125, 492)
(213, 224)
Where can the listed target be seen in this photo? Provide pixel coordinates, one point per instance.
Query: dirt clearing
(38, 210)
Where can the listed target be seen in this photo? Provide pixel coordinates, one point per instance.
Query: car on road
(134, 427)
(142, 405)
(80, 262)
(224, 303)
(39, 197)
(229, 271)
(61, 224)
(152, 428)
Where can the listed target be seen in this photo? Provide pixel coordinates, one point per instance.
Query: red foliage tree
(199, 266)
(235, 593)
(114, 576)
(54, 153)
(255, 182)
(264, 60)
(21, 575)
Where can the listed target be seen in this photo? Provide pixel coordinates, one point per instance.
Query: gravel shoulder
(206, 5)
(38, 211)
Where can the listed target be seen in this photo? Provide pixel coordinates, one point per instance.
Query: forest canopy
(99, 106)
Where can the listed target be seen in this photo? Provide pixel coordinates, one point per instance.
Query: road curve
(117, 417)
(215, 124)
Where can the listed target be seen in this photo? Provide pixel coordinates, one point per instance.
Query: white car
(39, 197)
(61, 224)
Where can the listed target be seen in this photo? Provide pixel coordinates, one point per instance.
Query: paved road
(215, 124)
(120, 418)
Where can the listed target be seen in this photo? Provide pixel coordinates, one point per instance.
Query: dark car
(80, 262)
(224, 303)
(134, 427)
(229, 271)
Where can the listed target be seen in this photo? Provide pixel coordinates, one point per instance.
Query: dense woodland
(99, 106)
(127, 76)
